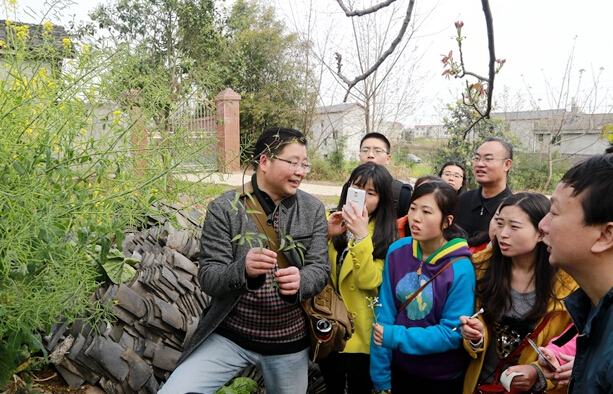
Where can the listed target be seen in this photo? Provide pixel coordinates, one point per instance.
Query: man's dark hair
(378, 136)
(272, 142)
(609, 150)
(593, 179)
(504, 144)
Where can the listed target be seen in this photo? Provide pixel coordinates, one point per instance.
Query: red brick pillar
(227, 104)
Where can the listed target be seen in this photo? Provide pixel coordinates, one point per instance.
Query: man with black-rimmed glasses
(376, 148)
(491, 165)
(255, 315)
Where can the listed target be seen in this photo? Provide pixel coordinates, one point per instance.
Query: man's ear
(263, 163)
(507, 164)
(605, 240)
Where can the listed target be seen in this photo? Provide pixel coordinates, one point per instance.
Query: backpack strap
(396, 188)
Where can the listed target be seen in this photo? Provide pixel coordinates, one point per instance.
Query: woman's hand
(377, 333)
(522, 383)
(356, 223)
(472, 329)
(561, 375)
(336, 225)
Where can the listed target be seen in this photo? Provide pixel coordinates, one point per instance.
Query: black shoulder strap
(396, 188)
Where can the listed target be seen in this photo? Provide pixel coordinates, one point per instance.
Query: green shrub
(530, 171)
(71, 182)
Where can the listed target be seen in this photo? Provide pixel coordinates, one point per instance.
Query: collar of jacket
(583, 312)
(453, 248)
(491, 204)
(263, 197)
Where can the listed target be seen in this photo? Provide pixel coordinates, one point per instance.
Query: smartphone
(537, 350)
(357, 196)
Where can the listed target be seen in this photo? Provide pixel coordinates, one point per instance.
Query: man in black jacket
(375, 148)
(491, 165)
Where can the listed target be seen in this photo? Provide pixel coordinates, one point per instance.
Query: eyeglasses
(456, 175)
(376, 151)
(295, 165)
(487, 159)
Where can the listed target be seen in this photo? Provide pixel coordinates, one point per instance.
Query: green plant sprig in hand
(373, 302)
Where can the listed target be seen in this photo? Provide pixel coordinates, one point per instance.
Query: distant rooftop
(529, 115)
(336, 108)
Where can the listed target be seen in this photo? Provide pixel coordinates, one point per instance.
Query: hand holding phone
(538, 351)
(357, 196)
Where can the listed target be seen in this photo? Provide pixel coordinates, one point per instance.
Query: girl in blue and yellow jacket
(417, 349)
(357, 246)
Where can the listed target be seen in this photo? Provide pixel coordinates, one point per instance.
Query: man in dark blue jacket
(579, 233)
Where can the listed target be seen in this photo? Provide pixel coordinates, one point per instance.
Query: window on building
(557, 140)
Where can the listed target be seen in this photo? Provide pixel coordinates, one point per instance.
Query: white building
(574, 132)
(339, 126)
(342, 126)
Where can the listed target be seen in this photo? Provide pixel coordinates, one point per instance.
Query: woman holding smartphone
(521, 294)
(358, 242)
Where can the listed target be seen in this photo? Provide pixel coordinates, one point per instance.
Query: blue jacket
(593, 369)
(419, 339)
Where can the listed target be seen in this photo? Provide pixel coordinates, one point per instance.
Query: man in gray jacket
(255, 315)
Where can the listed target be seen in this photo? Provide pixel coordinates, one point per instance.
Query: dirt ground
(47, 381)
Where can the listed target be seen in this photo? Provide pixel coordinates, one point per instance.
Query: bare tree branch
(365, 11)
(381, 59)
(483, 114)
(492, 63)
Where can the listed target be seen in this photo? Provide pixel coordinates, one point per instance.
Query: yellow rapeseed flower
(47, 28)
(23, 32)
(66, 44)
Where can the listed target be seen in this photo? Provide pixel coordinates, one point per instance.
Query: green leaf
(118, 268)
(240, 385)
(19, 167)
